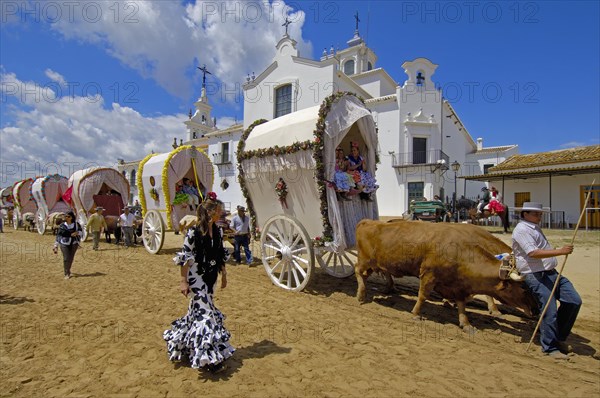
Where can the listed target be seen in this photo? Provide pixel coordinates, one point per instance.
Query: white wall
(566, 192)
(310, 86)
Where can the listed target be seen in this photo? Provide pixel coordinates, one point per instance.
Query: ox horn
(516, 277)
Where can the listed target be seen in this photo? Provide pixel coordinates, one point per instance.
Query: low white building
(558, 179)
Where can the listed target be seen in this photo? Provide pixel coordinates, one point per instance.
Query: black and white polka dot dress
(200, 335)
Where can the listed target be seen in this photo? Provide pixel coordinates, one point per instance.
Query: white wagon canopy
(23, 200)
(98, 187)
(48, 193)
(287, 168)
(159, 176)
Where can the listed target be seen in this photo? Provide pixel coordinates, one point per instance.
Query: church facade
(424, 148)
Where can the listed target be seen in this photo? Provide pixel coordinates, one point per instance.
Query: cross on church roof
(286, 24)
(204, 72)
(357, 20)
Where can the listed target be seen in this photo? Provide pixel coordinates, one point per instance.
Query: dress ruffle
(202, 340)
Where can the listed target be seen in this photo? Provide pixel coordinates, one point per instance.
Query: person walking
(536, 260)
(96, 225)
(68, 238)
(127, 220)
(200, 335)
(241, 225)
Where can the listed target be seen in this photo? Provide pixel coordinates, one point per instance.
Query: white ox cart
(307, 220)
(6, 204)
(98, 187)
(158, 176)
(47, 193)
(24, 204)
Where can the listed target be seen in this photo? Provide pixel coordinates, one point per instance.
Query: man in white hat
(96, 225)
(536, 261)
(241, 225)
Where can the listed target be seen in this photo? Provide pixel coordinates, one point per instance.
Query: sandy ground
(100, 333)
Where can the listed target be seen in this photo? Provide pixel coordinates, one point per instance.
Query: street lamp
(455, 167)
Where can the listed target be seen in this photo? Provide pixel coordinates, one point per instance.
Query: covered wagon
(287, 168)
(6, 204)
(98, 187)
(25, 207)
(47, 192)
(158, 181)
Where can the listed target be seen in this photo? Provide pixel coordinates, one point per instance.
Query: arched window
(420, 78)
(369, 66)
(349, 67)
(283, 100)
(132, 177)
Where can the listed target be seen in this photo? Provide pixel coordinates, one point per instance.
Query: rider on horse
(485, 200)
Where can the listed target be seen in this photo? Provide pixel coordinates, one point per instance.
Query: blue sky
(103, 80)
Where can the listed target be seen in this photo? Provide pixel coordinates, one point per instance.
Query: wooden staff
(583, 211)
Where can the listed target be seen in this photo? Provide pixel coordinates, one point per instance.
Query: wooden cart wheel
(82, 220)
(287, 253)
(339, 265)
(40, 221)
(16, 218)
(153, 232)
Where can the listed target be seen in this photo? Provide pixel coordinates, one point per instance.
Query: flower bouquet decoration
(282, 191)
(154, 194)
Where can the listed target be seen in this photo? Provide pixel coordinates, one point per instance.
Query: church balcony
(435, 158)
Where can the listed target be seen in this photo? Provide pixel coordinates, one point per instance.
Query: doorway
(592, 215)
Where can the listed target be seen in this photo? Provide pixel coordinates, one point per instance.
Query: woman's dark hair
(71, 214)
(205, 212)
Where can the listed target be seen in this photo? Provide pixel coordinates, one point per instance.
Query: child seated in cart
(357, 166)
(343, 181)
(192, 192)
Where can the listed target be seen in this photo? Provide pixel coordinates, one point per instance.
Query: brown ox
(54, 220)
(455, 260)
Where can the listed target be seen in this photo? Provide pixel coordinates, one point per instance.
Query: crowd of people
(200, 336)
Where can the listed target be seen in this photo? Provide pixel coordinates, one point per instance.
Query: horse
(476, 217)
(470, 207)
(463, 205)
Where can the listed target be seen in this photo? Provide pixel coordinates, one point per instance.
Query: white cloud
(164, 40)
(71, 132)
(56, 77)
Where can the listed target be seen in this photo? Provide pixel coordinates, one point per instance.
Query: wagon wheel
(287, 253)
(339, 265)
(40, 221)
(82, 220)
(153, 232)
(16, 218)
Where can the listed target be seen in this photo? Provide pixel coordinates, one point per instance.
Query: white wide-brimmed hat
(533, 206)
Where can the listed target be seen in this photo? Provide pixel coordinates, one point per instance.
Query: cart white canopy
(22, 195)
(47, 192)
(161, 172)
(347, 120)
(6, 196)
(93, 181)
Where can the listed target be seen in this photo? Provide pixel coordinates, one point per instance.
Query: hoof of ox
(361, 298)
(418, 318)
(469, 329)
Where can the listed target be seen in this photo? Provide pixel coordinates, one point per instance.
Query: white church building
(424, 147)
(420, 134)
